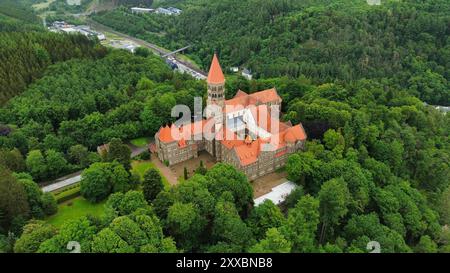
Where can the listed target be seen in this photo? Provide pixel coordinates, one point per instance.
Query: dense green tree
(185, 174)
(263, 217)
(49, 204)
(334, 141)
(334, 198)
(100, 179)
(445, 206)
(34, 197)
(79, 155)
(361, 229)
(13, 199)
(426, 245)
(301, 166)
(223, 177)
(55, 162)
(120, 152)
(129, 231)
(152, 184)
(228, 227)
(195, 191)
(301, 225)
(274, 242)
(201, 169)
(292, 199)
(186, 225)
(124, 204)
(163, 201)
(36, 164)
(107, 241)
(12, 160)
(34, 234)
(28, 54)
(80, 230)
(400, 43)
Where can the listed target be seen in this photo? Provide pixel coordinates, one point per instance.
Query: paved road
(74, 178)
(182, 65)
(63, 182)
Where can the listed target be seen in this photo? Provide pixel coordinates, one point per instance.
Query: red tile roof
(165, 134)
(240, 93)
(262, 97)
(247, 150)
(215, 75)
(289, 137)
(248, 153)
(266, 96)
(298, 132)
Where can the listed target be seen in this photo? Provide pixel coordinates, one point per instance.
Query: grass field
(75, 209)
(43, 5)
(140, 167)
(140, 142)
(79, 206)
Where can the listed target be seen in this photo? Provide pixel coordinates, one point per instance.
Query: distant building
(142, 10)
(244, 131)
(163, 11)
(61, 26)
(374, 2)
(175, 11)
(125, 45)
(247, 74)
(234, 69)
(168, 11)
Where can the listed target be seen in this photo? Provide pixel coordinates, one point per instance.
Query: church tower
(216, 86)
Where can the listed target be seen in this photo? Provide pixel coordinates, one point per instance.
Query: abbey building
(244, 131)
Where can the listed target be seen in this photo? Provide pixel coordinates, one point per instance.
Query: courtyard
(175, 174)
(264, 184)
(192, 164)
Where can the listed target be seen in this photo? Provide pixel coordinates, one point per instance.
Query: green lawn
(140, 167)
(140, 142)
(79, 206)
(75, 209)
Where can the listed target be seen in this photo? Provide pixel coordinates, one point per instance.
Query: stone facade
(245, 134)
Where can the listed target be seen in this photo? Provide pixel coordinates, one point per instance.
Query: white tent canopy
(278, 194)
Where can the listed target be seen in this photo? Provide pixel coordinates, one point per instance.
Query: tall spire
(215, 75)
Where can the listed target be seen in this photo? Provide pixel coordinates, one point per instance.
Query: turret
(216, 85)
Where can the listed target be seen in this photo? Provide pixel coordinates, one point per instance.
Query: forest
(401, 43)
(376, 166)
(27, 49)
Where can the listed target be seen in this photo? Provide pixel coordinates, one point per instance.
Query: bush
(67, 194)
(101, 179)
(145, 155)
(49, 204)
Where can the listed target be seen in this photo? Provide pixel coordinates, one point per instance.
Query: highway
(183, 66)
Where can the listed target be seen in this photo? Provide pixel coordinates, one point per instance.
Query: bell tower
(216, 86)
